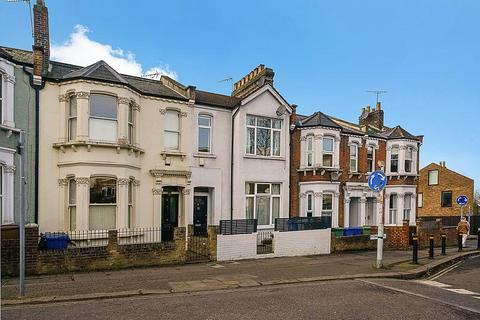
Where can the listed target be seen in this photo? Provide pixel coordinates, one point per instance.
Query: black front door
(200, 215)
(169, 215)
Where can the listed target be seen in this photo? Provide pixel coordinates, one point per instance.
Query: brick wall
(448, 180)
(353, 243)
(112, 256)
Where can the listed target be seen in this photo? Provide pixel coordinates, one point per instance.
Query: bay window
(408, 159)
(407, 206)
(392, 212)
(1, 98)
(263, 136)
(204, 133)
(103, 118)
(172, 130)
(394, 160)
(103, 203)
(72, 118)
(310, 204)
(310, 155)
(72, 203)
(370, 159)
(353, 157)
(131, 124)
(327, 157)
(327, 205)
(262, 202)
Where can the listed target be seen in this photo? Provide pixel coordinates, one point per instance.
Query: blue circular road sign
(377, 180)
(462, 200)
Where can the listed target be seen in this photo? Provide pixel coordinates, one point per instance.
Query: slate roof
(18, 55)
(399, 133)
(215, 99)
(318, 119)
(100, 70)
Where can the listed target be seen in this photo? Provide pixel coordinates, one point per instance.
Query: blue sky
(325, 55)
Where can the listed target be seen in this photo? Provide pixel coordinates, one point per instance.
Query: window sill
(249, 156)
(9, 128)
(89, 144)
(316, 168)
(204, 155)
(265, 227)
(172, 153)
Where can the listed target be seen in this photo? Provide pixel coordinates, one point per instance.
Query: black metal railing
(139, 235)
(264, 241)
(303, 223)
(238, 226)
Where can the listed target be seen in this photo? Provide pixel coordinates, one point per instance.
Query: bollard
(478, 239)
(430, 251)
(444, 244)
(460, 245)
(415, 248)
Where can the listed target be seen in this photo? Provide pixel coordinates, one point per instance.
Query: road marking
(453, 305)
(461, 291)
(433, 283)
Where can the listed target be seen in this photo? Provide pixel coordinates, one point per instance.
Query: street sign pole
(377, 182)
(380, 230)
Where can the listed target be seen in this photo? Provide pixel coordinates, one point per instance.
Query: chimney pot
(368, 109)
(379, 106)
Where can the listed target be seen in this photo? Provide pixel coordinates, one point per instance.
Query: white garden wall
(236, 247)
(301, 243)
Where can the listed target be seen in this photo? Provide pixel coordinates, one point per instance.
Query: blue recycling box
(56, 241)
(353, 231)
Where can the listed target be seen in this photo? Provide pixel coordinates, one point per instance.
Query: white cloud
(79, 49)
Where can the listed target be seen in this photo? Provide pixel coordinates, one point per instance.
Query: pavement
(225, 276)
(439, 296)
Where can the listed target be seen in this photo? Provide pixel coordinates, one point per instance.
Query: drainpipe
(37, 140)
(231, 168)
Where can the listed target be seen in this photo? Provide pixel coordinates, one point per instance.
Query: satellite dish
(281, 110)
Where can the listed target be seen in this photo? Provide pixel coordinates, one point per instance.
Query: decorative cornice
(82, 95)
(303, 195)
(157, 191)
(63, 97)
(136, 182)
(9, 169)
(304, 138)
(185, 191)
(82, 180)
(63, 182)
(123, 100)
(163, 111)
(183, 114)
(318, 136)
(9, 78)
(123, 181)
(318, 194)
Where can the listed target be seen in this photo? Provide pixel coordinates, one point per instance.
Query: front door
(169, 215)
(200, 204)
(354, 212)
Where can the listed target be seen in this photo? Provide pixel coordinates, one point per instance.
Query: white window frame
(420, 200)
(209, 128)
(371, 168)
(435, 183)
(130, 203)
(177, 132)
(310, 153)
(90, 204)
(355, 158)
(131, 124)
(271, 195)
(327, 212)
(72, 205)
(408, 150)
(331, 153)
(70, 118)
(310, 210)
(2, 190)
(397, 148)
(102, 118)
(392, 211)
(2, 92)
(407, 210)
(272, 131)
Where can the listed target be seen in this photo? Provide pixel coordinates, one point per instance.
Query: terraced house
(118, 151)
(333, 158)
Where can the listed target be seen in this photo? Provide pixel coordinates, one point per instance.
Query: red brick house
(331, 160)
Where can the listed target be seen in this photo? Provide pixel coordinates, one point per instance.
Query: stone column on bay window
(184, 127)
(363, 210)
(335, 210)
(414, 160)
(336, 153)
(386, 209)
(400, 206)
(63, 218)
(302, 204)
(346, 212)
(122, 203)
(157, 206)
(303, 149)
(8, 194)
(136, 122)
(123, 105)
(318, 204)
(63, 101)
(388, 160)
(83, 114)
(413, 210)
(401, 159)
(318, 151)
(83, 203)
(9, 96)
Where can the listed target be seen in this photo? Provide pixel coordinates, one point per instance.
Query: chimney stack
(379, 106)
(256, 79)
(41, 44)
(371, 117)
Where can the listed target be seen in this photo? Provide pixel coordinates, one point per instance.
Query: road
(454, 295)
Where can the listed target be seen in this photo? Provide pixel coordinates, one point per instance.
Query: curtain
(102, 217)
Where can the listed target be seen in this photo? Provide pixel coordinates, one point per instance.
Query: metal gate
(264, 242)
(197, 248)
